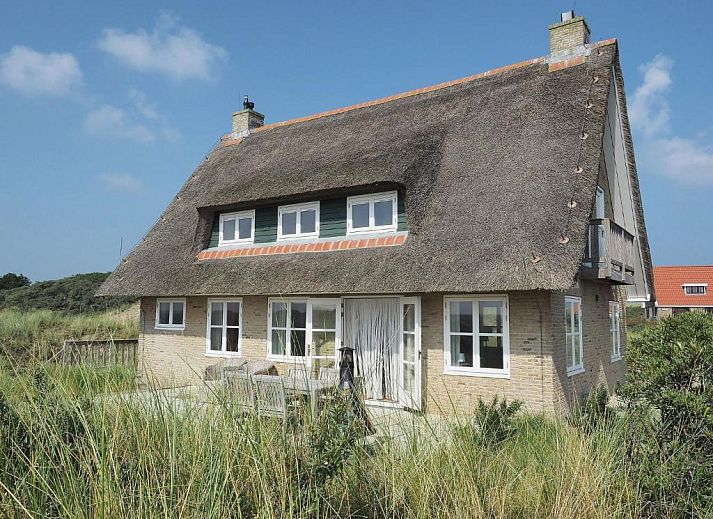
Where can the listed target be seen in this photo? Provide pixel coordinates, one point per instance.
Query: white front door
(410, 353)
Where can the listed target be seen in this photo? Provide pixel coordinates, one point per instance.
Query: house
(468, 239)
(683, 289)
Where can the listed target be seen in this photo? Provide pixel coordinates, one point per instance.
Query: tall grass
(38, 334)
(69, 453)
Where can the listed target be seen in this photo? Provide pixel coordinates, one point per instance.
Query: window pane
(216, 339)
(360, 215)
(461, 316)
(232, 336)
(491, 316)
(576, 308)
(233, 314)
(324, 318)
(491, 352)
(568, 316)
(299, 315)
(279, 315)
(228, 230)
(164, 311)
(409, 347)
(289, 223)
(245, 228)
(409, 378)
(409, 318)
(308, 221)
(278, 342)
(324, 343)
(177, 313)
(462, 350)
(570, 359)
(383, 212)
(577, 351)
(298, 343)
(216, 313)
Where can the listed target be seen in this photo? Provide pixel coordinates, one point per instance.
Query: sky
(106, 108)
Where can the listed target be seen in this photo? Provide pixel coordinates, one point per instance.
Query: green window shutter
(333, 218)
(266, 224)
(215, 231)
(401, 213)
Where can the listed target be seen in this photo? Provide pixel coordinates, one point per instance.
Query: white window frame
(569, 337)
(371, 199)
(224, 343)
(236, 216)
(476, 370)
(170, 325)
(298, 208)
(307, 359)
(615, 329)
(690, 285)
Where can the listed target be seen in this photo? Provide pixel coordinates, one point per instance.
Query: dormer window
(372, 213)
(699, 289)
(298, 221)
(237, 228)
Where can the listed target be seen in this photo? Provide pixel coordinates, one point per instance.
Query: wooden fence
(100, 353)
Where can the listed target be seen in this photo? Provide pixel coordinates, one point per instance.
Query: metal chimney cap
(567, 16)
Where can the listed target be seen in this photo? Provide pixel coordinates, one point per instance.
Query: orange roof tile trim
(669, 282)
(424, 90)
(293, 248)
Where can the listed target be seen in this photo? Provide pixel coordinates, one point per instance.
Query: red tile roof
(669, 283)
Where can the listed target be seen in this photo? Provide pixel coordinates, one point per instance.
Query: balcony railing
(610, 253)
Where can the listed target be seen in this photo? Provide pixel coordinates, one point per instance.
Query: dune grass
(74, 447)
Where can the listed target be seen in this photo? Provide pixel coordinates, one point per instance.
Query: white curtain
(372, 327)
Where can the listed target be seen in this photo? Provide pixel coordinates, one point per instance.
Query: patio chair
(329, 375)
(270, 396)
(241, 390)
(299, 372)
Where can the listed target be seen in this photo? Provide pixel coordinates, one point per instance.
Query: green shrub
(595, 412)
(493, 422)
(669, 397)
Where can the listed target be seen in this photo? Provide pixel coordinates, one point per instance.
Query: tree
(12, 280)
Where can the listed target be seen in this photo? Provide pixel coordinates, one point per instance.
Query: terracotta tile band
(270, 250)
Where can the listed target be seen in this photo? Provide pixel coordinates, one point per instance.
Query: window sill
(475, 373)
(284, 359)
(223, 354)
(617, 358)
(169, 328)
(575, 371)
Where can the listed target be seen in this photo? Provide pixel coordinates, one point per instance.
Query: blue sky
(106, 109)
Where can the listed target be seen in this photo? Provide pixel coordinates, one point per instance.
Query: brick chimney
(246, 120)
(569, 36)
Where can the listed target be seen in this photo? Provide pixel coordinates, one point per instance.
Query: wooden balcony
(610, 253)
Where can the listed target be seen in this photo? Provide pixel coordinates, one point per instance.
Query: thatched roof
(487, 166)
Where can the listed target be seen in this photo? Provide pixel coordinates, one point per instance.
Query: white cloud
(170, 49)
(682, 159)
(140, 121)
(36, 73)
(121, 182)
(113, 122)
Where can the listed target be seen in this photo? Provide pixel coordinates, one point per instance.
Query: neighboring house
(468, 239)
(683, 289)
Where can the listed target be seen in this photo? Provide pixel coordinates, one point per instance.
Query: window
(170, 314)
(476, 336)
(225, 319)
(298, 221)
(573, 333)
(615, 329)
(697, 290)
(304, 330)
(237, 228)
(371, 213)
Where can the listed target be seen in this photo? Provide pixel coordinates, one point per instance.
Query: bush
(669, 396)
(595, 412)
(494, 422)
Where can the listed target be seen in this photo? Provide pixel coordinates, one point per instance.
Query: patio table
(311, 388)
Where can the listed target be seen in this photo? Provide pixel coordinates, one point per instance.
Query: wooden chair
(240, 389)
(298, 372)
(329, 375)
(270, 396)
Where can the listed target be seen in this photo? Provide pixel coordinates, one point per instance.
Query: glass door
(325, 333)
(410, 372)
